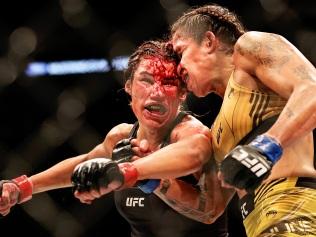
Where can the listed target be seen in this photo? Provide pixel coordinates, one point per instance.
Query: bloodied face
(156, 92)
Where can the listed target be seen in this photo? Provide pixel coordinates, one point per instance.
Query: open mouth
(156, 108)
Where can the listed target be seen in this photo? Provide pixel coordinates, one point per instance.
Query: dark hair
(155, 48)
(222, 22)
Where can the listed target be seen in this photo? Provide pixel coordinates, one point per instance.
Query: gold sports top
(242, 110)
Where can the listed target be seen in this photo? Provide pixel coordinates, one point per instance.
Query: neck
(154, 137)
(223, 68)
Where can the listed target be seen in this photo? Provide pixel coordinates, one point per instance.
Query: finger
(144, 145)
(5, 212)
(134, 142)
(5, 199)
(135, 158)
(84, 195)
(12, 191)
(137, 151)
(95, 193)
(114, 185)
(82, 198)
(104, 191)
(85, 201)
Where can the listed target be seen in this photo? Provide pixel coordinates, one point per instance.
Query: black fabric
(306, 182)
(246, 204)
(149, 216)
(260, 129)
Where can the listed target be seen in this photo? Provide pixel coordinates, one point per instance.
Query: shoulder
(190, 126)
(121, 128)
(117, 133)
(256, 48)
(253, 39)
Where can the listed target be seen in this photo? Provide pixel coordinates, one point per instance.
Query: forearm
(57, 176)
(298, 117)
(175, 160)
(191, 201)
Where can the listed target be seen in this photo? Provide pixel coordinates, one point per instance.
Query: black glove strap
(123, 151)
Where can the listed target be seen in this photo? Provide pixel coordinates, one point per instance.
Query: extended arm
(58, 176)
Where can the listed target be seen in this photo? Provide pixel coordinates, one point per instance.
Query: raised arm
(281, 67)
(58, 176)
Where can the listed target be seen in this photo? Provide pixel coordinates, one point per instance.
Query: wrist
(268, 146)
(130, 174)
(26, 188)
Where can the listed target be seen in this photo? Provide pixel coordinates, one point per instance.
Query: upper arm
(189, 128)
(116, 134)
(274, 61)
(194, 134)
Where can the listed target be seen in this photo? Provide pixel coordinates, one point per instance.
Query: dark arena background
(61, 91)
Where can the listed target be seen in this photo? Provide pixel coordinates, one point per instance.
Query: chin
(154, 124)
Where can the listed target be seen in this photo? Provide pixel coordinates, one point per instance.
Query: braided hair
(222, 22)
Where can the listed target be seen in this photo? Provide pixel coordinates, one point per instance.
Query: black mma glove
(246, 166)
(123, 152)
(100, 172)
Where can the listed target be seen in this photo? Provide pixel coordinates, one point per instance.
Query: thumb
(144, 145)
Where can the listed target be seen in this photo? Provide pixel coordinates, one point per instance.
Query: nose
(157, 90)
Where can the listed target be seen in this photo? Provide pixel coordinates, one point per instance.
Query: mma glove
(22, 185)
(246, 166)
(100, 172)
(123, 152)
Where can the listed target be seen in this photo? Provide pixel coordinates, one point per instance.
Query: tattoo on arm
(302, 73)
(198, 213)
(289, 113)
(165, 186)
(270, 51)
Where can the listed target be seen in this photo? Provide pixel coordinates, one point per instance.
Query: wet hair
(223, 23)
(152, 48)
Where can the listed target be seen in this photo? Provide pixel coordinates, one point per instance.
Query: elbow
(214, 213)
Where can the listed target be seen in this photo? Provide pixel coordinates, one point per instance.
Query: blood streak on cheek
(164, 73)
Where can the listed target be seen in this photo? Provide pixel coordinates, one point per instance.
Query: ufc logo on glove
(257, 165)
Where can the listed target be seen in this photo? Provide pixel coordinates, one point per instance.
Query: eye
(170, 82)
(147, 80)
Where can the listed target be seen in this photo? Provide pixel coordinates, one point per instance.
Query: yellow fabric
(242, 109)
(282, 209)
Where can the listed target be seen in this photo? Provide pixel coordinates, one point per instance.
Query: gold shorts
(284, 207)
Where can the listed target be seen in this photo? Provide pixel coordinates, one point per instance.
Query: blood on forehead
(163, 71)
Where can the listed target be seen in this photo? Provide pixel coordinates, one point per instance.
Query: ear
(211, 42)
(128, 87)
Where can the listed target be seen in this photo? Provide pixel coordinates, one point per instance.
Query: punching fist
(14, 191)
(100, 176)
(246, 166)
